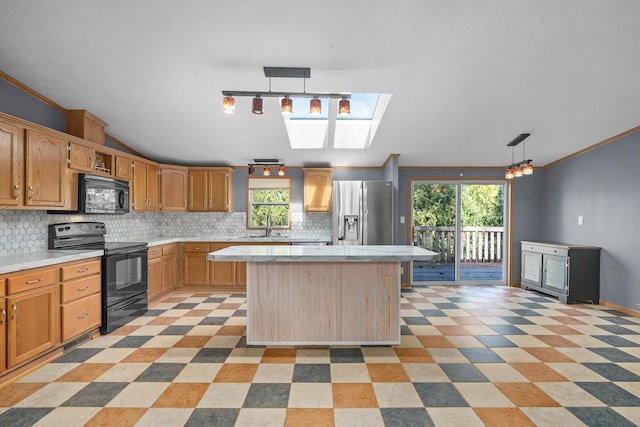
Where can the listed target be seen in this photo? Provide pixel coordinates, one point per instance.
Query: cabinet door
(31, 324)
(139, 187)
(218, 191)
(11, 156)
(196, 269)
(123, 168)
(46, 167)
(318, 187)
(168, 272)
(153, 188)
(173, 189)
(556, 272)
(81, 157)
(3, 334)
(221, 273)
(155, 277)
(531, 268)
(198, 191)
(241, 273)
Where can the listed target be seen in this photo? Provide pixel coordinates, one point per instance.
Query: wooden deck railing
(479, 244)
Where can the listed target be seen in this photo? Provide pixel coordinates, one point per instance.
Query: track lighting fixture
(525, 167)
(266, 165)
(286, 103)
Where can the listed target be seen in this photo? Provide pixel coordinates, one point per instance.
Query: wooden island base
(323, 303)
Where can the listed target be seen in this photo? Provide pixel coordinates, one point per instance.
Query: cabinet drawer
(545, 249)
(79, 288)
(31, 281)
(80, 316)
(80, 270)
(155, 252)
(196, 247)
(168, 249)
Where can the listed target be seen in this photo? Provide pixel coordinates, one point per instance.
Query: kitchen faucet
(269, 226)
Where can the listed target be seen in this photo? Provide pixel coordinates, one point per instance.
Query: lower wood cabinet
(162, 270)
(80, 298)
(31, 326)
(3, 331)
(43, 308)
(221, 273)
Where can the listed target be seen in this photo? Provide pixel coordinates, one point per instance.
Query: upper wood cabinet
(210, 190)
(318, 187)
(3, 331)
(83, 124)
(11, 165)
(145, 187)
(46, 170)
(173, 189)
(123, 169)
(81, 157)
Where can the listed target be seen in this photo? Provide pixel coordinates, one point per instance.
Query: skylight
(355, 131)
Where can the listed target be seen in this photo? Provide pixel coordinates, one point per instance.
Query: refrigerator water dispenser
(351, 227)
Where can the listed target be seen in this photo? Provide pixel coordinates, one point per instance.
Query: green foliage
(274, 201)
(434, 205)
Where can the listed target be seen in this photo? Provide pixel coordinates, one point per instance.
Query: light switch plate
(580, 220)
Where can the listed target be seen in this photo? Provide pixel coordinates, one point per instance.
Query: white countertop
(25, 261)
(377, 253)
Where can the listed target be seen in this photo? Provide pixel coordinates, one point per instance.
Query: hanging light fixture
(344, 108)
(256, 104)
(315, 107)
(525, 167)
(286, 104)
(266, 165)
(228, 104)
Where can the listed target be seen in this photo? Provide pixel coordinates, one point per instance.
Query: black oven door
(124, 276)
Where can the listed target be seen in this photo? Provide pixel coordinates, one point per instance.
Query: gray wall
(603, 185)
(17, 103)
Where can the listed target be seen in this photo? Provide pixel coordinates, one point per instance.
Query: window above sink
(268, 196)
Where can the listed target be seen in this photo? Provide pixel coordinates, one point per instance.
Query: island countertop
(373, 253)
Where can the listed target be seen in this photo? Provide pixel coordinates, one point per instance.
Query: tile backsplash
(26, 231)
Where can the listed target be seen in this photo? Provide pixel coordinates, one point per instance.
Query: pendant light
(315, 107)
(344, 108)
(256, 105)
(228, 105)
(281, 171)
(525, 167)
(286, 105)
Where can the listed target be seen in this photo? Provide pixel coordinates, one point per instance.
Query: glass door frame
(506, 220)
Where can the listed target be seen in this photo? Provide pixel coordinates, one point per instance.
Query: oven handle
(131, 251)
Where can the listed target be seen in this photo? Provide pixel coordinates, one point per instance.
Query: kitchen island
(323, 295)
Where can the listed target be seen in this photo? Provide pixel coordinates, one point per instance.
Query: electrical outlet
(402, 220)
(580, 220)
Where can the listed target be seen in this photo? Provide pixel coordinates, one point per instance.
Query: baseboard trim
(625, 310)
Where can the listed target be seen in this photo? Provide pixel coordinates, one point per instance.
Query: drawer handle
(82, 316)
(17, 192)
(84, 270)
(83, 289)
(4, 316)
(31, 282)
(15, 311)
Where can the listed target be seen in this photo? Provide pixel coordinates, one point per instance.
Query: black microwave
(102, 195)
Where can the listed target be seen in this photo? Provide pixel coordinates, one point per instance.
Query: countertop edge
(26, 261)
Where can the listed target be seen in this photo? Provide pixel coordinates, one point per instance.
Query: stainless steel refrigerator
(362, 213)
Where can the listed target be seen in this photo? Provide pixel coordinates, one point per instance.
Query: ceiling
(466, 77)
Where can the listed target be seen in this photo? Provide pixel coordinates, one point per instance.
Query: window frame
(250, 205)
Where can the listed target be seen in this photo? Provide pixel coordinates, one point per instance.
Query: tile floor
(470, 356)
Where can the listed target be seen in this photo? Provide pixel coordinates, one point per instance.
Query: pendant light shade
(508, 174)
(266, 171)
(315, 107)
(281, 171)
(256, 105)
(527, 169)
(286, 105)
(344, 108)
(228, 104)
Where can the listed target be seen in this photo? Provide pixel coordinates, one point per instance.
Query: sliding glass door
(465, 223)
